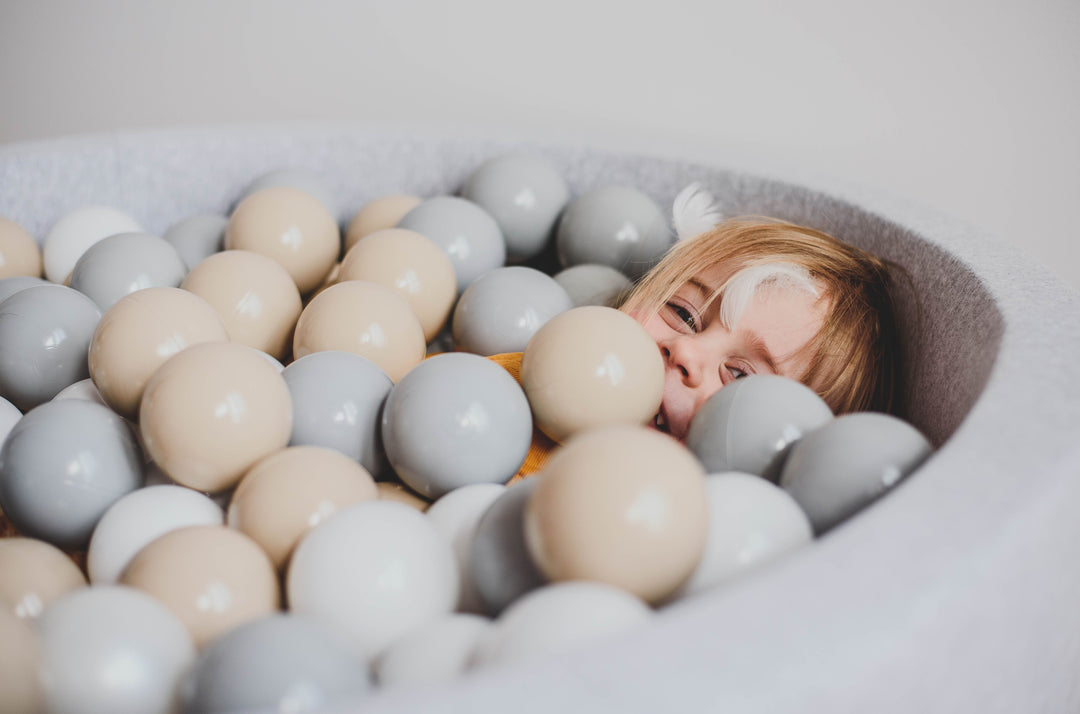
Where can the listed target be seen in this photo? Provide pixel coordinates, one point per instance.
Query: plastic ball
(301, 179)
(503, 308)
(378, 215)
(621, 505)
(213, 578)
(10, 286)
(62, 466)
(112, 649)
(35, 574)
(499, 562)
(291, 491)
(20, 656)
(366, 319)
(438, 652)
(410, 265)
(76, 231)
(9, 415)
(290, 226)
(139, 518)
(525, 194)
(839, 469)
(211, 412)
(751, 522)
(559, 618)
(256, 298)
(374, 572)
(45, 333)
(197, 237)
(456, 419)
(590, 367)
(123, 263)
(456, 516)
(19, 252)
(592, 284)
(617, 226)
(464, 231)
(281, 663)
(337, 400)
(750, 425)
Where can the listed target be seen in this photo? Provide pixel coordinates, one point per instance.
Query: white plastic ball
(456, 516)
(140, 517)
(70, 236)
(374, 572)
(438, 652)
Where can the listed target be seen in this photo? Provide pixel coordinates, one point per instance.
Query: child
(762, 296)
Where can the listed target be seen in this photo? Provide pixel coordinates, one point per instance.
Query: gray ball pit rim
(954, 593)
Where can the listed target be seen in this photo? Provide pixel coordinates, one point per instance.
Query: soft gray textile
(956, 593)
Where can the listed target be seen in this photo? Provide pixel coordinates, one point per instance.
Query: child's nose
(682, 354)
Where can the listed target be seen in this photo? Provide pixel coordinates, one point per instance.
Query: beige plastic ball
(364, 318)
(213, 578)
(255, 297)
(211, 412)
(590, 367)
(390, 491)
(21, 688)
(410, 265)
(290, 226)
(621, 505)
(139, 333)
(19, 252)
(33, 573)
(377, 215)
(293, 490)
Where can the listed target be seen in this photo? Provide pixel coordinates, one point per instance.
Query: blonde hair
(853, 366)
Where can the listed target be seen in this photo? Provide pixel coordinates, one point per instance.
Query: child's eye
(736, 373)
(684, 315)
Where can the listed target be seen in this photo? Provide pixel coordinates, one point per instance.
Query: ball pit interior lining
(954, 593)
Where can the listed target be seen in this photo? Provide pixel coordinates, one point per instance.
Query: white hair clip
(694, 212)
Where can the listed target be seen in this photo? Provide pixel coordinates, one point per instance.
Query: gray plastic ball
(593, 284)
(302, 179)
(835, 471)
(751, 424)
(503, 309)
(280, 663)
(112, 649)
(616, 226)
(123, 263)
(12, 285)
(501, 567)
(45, 334)
(337, 400)
(198, 237)
(63, 464)
(464, 231)
(453, 420)
(525, 194)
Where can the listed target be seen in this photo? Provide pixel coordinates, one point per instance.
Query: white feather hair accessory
(694, 212)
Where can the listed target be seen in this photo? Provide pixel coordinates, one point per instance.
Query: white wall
(969, 107)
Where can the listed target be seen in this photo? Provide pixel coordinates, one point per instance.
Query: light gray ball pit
(954, 593)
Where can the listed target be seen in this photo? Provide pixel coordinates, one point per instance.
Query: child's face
(701, 355)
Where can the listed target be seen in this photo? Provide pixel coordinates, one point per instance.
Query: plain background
(969, 107)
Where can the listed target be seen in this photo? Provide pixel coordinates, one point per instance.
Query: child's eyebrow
(761, 350)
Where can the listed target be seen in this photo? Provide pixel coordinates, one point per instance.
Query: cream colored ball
(33, 573)
(290, 226)
(410, 265)
(211, 412)
(622, 505)
(19, 252)
(364, 318)
(255, 297)
(590, 367)
(293, 490)
(377, 215)
(139, 333)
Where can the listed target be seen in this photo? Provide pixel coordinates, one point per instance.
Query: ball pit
(938, 593)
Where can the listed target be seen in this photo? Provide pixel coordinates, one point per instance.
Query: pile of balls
(280, 457)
